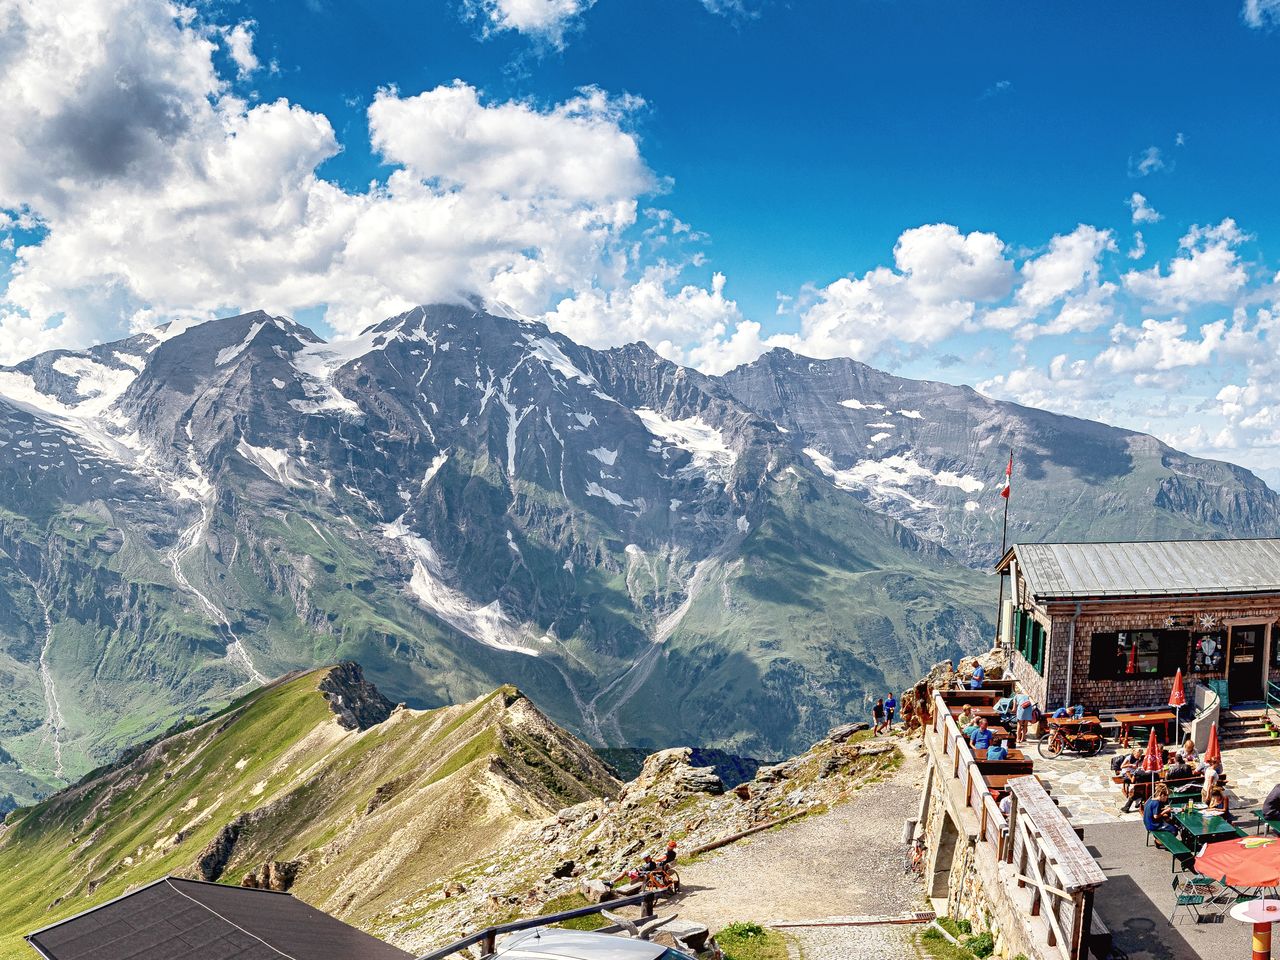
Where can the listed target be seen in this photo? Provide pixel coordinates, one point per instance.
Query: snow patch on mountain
(607, 457)
(891, 476)
(705, 444)
(486, 623)
(227, 354)
(549, 352)
(595, 490)
(859, 405)
(274, 463)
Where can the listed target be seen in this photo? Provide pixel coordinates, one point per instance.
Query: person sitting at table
(1006, 803)
(1219, 803)
(1271, 805)
(965, 718)
(979, 675)
(999, 751)
(1189, 752)
(981, 738)
(1155, 812)
(1142, 785)
(1130, 764)
(1179, 770)
(1067, 711)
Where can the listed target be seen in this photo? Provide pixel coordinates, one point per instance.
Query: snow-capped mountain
(460, 498)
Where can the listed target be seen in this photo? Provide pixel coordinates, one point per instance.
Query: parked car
(548, 943)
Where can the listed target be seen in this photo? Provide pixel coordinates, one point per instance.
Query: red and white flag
(1008, 478)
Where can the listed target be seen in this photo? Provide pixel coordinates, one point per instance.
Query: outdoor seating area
(986, 729)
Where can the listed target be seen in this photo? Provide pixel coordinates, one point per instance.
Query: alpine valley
(461, 499)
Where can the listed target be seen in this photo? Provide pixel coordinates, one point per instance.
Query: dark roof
(175, 919)
(1148, 568)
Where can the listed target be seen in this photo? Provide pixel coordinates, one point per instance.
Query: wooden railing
(1052, 877)
(488, 937)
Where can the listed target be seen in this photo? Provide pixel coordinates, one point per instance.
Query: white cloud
(239, 41)
(1164, 345)
(1141, 210)
(1139, 248)
(1147, 162)
(1067, 272)
(546, 20)
(1261, 13)
(1065, 385)
(192, 202)
(941, 274)
(1208, 271)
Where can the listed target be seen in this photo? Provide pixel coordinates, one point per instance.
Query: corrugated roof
(1149, 568)
(174, 919)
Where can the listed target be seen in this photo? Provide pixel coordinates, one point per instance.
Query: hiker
(669, 857)
(877, 716)
(1026, 716)
(1155, 812)
(890, 708)
(979, 675)
(647, 866)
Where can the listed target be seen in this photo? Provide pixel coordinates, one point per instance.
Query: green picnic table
(1204, 828)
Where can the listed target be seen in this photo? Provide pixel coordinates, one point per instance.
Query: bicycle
(663, 880)
(1082, 737)
(913, 862)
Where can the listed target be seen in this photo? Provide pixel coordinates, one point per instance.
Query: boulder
(454, 889)
(846, 730)
(597, 891)
(563, 869)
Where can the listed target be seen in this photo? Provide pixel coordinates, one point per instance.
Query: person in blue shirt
(979, 675)
(890, 708)
(999, 751)
(982, 737)
(1155, 816)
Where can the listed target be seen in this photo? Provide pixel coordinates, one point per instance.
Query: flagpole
(1004, 542)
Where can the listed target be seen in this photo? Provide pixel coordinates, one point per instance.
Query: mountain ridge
(459, 500)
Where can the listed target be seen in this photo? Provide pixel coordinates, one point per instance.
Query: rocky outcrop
(354, 700)
(277, 875)
(667, 776)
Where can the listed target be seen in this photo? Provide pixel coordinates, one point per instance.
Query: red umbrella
(1247, 862)
(1133, 659)
(1212, 752)
(1177, 697)
(1152, 762)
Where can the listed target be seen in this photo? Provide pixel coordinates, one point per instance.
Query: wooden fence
(1041, 873)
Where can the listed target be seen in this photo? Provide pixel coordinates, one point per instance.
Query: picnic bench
(974, 697)
(1264, 823)
(1168, 841)
(980, 753)
(1150, 718)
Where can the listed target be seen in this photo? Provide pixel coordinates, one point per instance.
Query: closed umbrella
(1152, 762)
(1213, 752)
(1133, 658)
(1177, 699)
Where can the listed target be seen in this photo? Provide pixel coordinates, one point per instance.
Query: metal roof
(175, 919)
(1148, 568)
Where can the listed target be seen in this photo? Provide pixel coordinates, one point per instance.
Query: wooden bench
(981, 754)
(1010, 768)
(977, 698)
(1170, 844)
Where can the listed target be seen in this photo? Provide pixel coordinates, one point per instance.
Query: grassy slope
(451, 783)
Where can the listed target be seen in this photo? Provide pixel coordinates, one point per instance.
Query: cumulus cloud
(546, 20)
(239, 41)
(1139, 248)
(200, 203)
(1142, 212)
(1066, 273)
(1165, 345)
(1208, 270)
(1065, 385)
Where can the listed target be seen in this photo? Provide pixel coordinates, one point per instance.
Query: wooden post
(489, 945)
(646, 909)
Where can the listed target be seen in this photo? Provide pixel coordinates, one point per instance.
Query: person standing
(890, 708)
(979, 676)
(877, 715)
(1026, 710)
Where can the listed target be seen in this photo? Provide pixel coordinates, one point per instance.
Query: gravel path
(847, 862)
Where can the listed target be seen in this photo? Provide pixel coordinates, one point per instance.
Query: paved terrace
(1137, 897)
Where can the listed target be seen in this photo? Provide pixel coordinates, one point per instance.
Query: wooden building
(1108, 624)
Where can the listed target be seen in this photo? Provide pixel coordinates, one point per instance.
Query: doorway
(1244, 664)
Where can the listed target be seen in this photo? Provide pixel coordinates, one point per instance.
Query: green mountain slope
(362, 818)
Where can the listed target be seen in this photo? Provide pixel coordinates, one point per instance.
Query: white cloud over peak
(1142, 212)
(1208, 270)
(1146, 163)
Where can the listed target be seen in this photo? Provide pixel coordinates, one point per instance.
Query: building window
(1138, 654)
(1029, 639)
(1206, 652)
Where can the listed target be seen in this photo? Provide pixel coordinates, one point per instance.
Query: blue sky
(945, 190)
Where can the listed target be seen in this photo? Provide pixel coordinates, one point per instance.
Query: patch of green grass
(746, 940)
(938, 947)
(572, 901)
